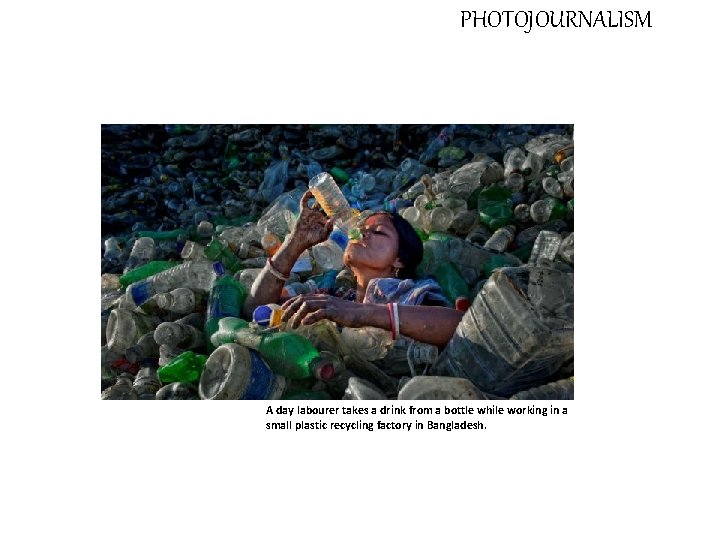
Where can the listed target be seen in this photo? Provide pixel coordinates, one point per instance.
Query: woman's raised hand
(312, 226)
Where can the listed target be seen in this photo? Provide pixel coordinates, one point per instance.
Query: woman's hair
(410, 247)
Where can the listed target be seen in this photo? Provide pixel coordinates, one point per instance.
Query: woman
(383, 262)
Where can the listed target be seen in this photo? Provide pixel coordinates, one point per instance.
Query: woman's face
(377, 249)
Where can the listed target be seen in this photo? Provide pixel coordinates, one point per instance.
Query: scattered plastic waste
(190, 214)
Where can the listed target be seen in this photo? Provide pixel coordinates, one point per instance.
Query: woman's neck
(364, 277)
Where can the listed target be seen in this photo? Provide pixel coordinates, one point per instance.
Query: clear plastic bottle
(235, 372)
(143, 251)
(328, 255)
(179, 335)
(431, 152)
(439, 219)
(122, 389)
(146, 383)
(432, 387)
(125, 327)
(271, 243)
(179, 301)
(145, 351)
(540, 211)
(192, 251)
(552, 187)
(515, 182)
(567, 249)
(546, 246)
(248, 276)
(358, 388)
(522, 212)
(501, 238)
(517, 333)
(177, 390)
(513, 161)
(368, 343)
(333, 202)
(563, 389)
(113, 253)
(532, 166)
(191, 275)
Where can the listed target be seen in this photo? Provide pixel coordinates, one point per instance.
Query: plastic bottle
(281, 215)
(564, 153)
(358, 388)
(192, 251)
(546, 246)
(552, 187)
(235, 372)
(303, 265)
(409, 356)
(439, 219)
(328, 255)
(564, 389)
(333, 202)
(531, 166)
(122, 389)
(540, 211)
(179, 302)
(143, 251)
(226, 299)
(145, 271)
(192, 275)
(268, 315)
(513, 161)
(367, 343)
(431, 387)
(431, 152)
(146, 383)
(567, 249)
(287, 354)
(451, 282)
(248, 276)
(177, 390)
(515, 182)
(494, 204)
(179, 335)
(518, 331)
(145, 351)
(501, 238)
(113, 253)
(218, 252)
(297, 288)
(186, 367)
(125, 327)
(522, 212)
(271, 243)
(529, 235)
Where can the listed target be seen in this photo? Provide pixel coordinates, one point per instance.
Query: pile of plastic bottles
(190, 214)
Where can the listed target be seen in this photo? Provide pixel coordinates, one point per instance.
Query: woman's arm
(312, 227)
(429, 324)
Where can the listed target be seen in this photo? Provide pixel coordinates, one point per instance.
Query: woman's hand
(312, 226)
(310, 308)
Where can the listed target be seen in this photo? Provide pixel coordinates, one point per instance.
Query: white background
(636, 455)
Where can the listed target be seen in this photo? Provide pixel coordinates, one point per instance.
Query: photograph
(337, 261)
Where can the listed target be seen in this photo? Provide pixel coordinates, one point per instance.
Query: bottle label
(339, 238)
(141, 292)
(262, 379)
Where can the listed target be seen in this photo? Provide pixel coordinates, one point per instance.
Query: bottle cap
(462, 303)
(324, 370)
(218, 268)
(261, 315)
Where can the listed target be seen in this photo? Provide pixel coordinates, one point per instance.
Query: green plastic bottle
(451, 282)
(226, 299)
(145, 271)
(340, 176)
(494, 204)
(216, 251)
(186, 367)
(287, 354)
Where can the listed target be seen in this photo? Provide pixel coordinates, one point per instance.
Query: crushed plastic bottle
(534, 305)
(433, 387)
(235, 372)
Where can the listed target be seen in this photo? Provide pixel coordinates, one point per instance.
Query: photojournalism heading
(527, 20)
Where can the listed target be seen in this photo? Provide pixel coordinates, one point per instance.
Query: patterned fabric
(405, 291)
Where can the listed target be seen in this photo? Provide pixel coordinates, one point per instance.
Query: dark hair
(410, 247)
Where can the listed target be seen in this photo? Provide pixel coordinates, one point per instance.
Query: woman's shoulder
(404, 291)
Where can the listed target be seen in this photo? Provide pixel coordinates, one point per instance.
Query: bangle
(392, 321)
(275, 272)
(396, 321)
